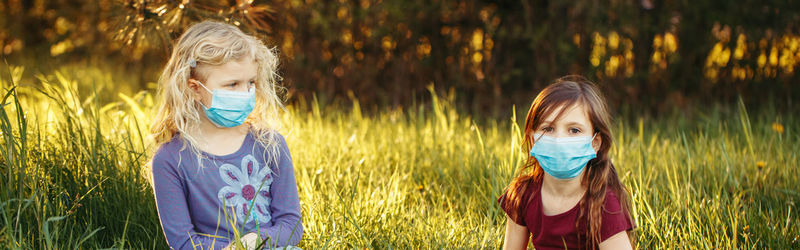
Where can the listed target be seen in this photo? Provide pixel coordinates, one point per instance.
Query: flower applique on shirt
(247, 190)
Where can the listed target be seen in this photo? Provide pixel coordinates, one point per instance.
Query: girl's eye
(574, 130)
(232, 84)
(547, 129)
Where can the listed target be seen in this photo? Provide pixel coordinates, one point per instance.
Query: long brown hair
(600, 173)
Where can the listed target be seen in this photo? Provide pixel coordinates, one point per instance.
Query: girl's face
(574, 122)
(234, 76)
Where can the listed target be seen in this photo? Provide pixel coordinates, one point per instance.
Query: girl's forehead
(242, 69)
(575, 113)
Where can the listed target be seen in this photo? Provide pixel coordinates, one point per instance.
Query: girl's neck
(219, 141)
(563, 187)
(211, 132)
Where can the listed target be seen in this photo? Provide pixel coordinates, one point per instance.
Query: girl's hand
(249, 241)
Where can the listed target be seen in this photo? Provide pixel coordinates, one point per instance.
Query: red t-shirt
(559, 231)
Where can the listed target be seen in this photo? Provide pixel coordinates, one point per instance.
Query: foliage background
(659, 55)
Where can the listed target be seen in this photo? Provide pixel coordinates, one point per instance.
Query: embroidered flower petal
(263, 212)
(230, 196)
(241, 215)
(233, 176)
(264, 175)
(249, 165)
(263, 197)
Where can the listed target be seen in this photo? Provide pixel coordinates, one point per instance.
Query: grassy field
(421, 177)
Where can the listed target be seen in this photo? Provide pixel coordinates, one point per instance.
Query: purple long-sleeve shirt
(197, 206)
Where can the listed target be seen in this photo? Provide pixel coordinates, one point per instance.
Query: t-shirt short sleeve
(505, 203)
(614, 220)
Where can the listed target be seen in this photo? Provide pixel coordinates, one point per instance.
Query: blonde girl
(221, 168)
(568, 194)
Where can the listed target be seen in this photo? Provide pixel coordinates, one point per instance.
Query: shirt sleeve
(614, 219)
(505, 203)
(287, 227)
(171, 204)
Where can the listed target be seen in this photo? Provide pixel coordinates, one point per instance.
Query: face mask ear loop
(535, 139)
(203, 85)
(592, 141)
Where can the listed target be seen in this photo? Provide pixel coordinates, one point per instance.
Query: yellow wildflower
(777, 127)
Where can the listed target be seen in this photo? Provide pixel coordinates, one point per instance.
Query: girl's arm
(516, 235)
(618, 241)
(287, 227)
(172, 209)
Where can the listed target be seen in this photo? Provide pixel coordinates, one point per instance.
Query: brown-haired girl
(568, 194)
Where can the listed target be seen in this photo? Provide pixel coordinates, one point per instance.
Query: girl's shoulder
(517, 197)
(272, 142)
(169, 148)
(267, 136)
(166, 156)
(611, 204)
(614, 218)
(523, 189)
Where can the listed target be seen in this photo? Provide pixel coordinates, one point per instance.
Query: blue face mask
(563, 158)
(229, 108)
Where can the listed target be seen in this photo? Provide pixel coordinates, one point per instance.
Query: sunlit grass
(420, 177)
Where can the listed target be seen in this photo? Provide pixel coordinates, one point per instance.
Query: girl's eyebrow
(237, 79)
(571, 123)
(576, 124)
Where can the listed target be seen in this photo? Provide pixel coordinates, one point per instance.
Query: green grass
(422, 177)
